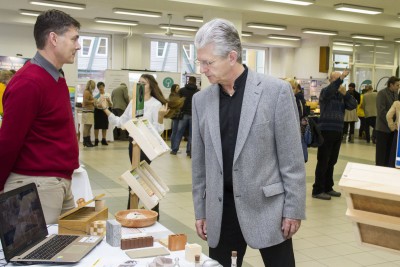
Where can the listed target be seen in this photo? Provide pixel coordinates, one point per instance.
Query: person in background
(384, 136)
(155, 109)
(100, 118)
(369, 107)
(333, 101)
(120, 100)
(350, 116)
(88, 112)
(42, 147)
(186, 122)
(361, 116)
(175, 103)
(247, 163)
(301, 107)
(394, 112)
(5, 77)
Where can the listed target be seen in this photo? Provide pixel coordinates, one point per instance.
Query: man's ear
(232, 57)
(53, 38)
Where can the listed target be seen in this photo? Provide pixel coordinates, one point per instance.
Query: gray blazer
(268, 166)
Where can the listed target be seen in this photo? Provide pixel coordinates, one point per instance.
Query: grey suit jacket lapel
(252, 95)
(213, 121)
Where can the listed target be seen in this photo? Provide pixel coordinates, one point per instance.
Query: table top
(105, 255)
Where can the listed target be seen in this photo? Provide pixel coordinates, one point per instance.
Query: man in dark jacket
(333, 100)
(188, 91)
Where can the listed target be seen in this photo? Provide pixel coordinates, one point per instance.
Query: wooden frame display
(147, 137)
(373, 197)
(146, 184)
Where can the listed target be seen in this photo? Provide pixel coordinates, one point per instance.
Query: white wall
(281, 62)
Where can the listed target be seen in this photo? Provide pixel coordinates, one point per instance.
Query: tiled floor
(326, 238)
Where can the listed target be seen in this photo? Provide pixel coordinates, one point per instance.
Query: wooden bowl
(151, 218)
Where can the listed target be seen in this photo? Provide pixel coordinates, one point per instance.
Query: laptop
(24, 234)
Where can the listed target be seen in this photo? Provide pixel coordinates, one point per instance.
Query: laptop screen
(22, 221)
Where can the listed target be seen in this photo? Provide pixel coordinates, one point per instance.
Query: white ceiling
(321, 15)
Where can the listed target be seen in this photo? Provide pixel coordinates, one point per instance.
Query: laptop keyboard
(49, 249)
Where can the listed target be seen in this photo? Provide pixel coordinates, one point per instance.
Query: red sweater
(37, 135)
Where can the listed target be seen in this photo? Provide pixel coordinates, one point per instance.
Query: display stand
(134, 199)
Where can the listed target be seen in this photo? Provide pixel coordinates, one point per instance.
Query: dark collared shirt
(229, 116)
(39, 60)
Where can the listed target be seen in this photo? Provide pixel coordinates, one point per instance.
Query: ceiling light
(142, 13)
(359, 9)
(27, 12)
(367, 37)
(247, 34)
(266, 26)
(178, 27)
(294, 2)
(284, 37)
(194, 19)
(320, 32)
(58, 4)
(344, 43)
(116, 21)
(397, 40)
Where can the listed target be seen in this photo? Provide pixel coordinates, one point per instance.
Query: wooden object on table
(97, 228)
(177, 242)
(373, 200)
(191, 250)
(137, 242)
(150, 217)
(78, 220)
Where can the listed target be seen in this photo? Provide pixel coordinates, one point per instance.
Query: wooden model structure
(373, 201)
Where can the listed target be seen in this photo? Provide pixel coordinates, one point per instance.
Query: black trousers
(383, 148)
(346, 127)
(327, 157)
(362, 126)
(370, 122)
(231, 239)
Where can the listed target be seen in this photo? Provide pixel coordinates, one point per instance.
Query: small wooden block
(191, 250)
(177, 242)
(137, 242)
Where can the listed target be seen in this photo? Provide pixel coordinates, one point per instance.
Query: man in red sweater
(37, 137)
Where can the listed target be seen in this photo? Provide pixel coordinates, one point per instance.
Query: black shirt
(229, 116)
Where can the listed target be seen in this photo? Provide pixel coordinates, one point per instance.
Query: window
(86, 44)
(254, 59)
(102, 48)
(161, 49)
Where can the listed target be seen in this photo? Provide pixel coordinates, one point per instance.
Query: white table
(105, 255)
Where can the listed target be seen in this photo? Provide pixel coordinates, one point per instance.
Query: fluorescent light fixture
(397, 40)
(294, 2)
(116, 21)
(284, 37)
(358, 9)
(194, 19)
(179, 27)
(266, 26)
(141, 13)
(27, 12)
(247, 34)
(367, 37)
(344, 43)
(320, 32)
(58, 4)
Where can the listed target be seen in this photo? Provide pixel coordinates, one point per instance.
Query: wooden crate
(373, 204)
(78, 220)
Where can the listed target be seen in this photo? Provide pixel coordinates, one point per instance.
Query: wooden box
(373, 201)
(77, 221)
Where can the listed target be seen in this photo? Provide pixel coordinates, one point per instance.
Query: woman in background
(88, 112)
(175, 103)
(394, 112)
(100, 118)
(155, 109)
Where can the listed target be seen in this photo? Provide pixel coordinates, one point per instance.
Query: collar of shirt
(240, 82)
(39, 60)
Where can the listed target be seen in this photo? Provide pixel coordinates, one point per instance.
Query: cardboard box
(78, 220)
(373, 201)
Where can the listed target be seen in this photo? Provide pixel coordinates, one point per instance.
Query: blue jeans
(186, 121)
(174, 129)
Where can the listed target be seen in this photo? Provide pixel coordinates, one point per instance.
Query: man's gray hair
(223, 34)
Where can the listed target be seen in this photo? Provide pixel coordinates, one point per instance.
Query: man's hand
(290, 227)
(201, 228)
(344, 74)
(342, 90)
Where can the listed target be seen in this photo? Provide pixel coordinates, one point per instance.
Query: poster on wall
(12, 63)
(312, 87)
(71, 90)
